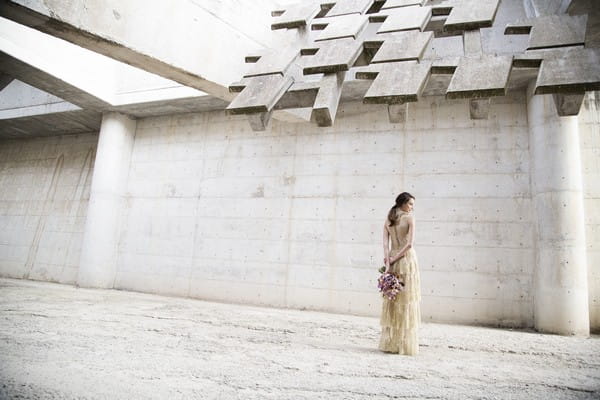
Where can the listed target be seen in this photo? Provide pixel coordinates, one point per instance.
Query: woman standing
(401, 317)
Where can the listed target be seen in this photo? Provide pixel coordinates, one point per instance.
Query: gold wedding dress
(401, 317)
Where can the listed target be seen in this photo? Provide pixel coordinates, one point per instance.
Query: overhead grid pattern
(383, 53)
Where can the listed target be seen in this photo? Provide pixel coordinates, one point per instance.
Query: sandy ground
(60, 342)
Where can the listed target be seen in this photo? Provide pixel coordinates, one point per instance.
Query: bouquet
(389, 284)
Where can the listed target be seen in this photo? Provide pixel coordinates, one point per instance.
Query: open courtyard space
(63, 342)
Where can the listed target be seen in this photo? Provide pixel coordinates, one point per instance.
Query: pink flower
(390, 285)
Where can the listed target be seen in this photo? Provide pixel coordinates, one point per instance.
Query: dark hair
(401, 200)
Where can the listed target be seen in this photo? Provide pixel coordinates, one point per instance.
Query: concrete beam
(38, 60)
(49, 83)
(5, 80)
(397, 113)
(260, 121)
(568, 105)
(479, 108)
(328, 99)
(131, 32)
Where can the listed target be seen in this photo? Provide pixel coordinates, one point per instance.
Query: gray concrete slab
(345, 7)
(589, 7)
(61, 342)
(260, 95)
(551, 31)
(405, 19)
(397, 83)
(295, 16)
(401, 3)
(483, 76)
(568, 104)
(332, 56)
(275, 61)
(343, 26)
(403, 46)
(471, 14)
(576, 71)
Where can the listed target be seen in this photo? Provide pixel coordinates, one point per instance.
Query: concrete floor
(59, 342)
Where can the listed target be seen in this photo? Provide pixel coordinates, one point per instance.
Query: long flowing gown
(401, 317)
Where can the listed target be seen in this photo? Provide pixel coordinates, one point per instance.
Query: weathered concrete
(294, 212)
(482, 76)
(402, 3)
(536, 8)
(405, 18)
(129, 32)
(561, 284)
(402, 46)
(590, 8)
(291, 211)
(62, 343)
(339, 27)
(332, 56)
(260, 94)
(328, 98)
(294, 16)
(471, 14)
(576, 71)
(38, 59)
(45, 185)
(90, 80)
(346, 7)
(97, 267)
(551, 31)
(589, 139)
(29, 112)
(397, 82)
(5, 80)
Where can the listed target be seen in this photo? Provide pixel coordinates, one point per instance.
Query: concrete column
(98, 261)
(560, 285)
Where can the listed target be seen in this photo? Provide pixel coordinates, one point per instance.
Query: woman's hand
(394, 259)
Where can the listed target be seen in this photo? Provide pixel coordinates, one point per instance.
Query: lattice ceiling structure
(383, 52)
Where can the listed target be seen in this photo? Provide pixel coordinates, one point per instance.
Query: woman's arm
(386, 247)
(409, 242)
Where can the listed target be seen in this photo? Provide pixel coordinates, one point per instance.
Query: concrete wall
(45, 190)
(142, 34)
(293, 216)
(589, 131)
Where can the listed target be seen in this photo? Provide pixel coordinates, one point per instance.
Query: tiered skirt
(401, 317)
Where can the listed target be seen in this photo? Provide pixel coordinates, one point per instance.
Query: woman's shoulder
(406, 216)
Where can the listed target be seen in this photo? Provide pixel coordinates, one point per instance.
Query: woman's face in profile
(408, 206)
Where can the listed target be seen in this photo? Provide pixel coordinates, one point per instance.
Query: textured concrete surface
(107, 198)
(45, 184)
(589, 137)
(296, 212)
(561, 298)
(58, 342)
(109, 30)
